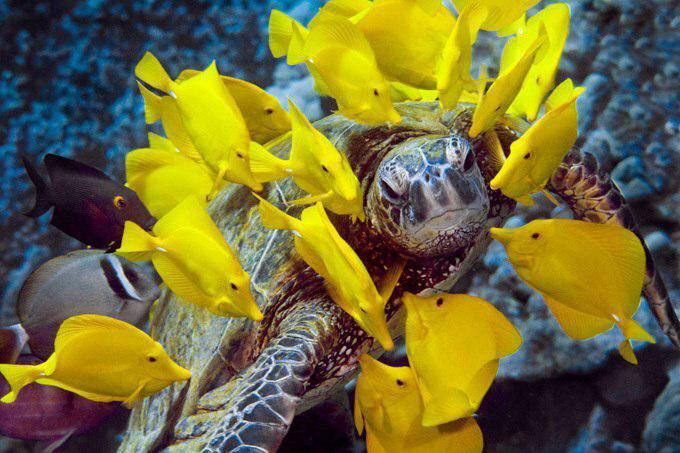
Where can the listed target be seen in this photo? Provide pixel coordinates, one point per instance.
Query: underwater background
(67, 87)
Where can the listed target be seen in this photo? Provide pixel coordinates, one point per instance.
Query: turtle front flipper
(593, 197)
(253, 411)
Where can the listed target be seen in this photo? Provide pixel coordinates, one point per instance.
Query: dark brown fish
(88, 205)
(82, 282)
(49, 413)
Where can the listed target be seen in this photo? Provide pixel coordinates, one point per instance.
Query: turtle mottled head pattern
(428, 196)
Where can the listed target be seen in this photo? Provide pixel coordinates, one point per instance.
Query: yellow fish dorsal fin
(174, 129)
(280, 32)
(153, 107)
(495, 148)
(189, 214)
(296, 49)
(391, 278)
(576, 324)
(347, 8)
(446, 406)
(150, 71)
(305, 138)
(186, 75)
(158, 142)
(76, 326)
(358, 415)
(140, 162)
(336, 31)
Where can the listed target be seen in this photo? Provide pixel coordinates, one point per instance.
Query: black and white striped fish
(82, 282)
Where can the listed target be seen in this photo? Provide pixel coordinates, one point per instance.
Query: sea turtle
(427, 199)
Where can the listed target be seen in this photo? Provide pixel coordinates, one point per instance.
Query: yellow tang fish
(344, 66)
(501, 13)
(535, 156)
(210, 117)
(453, 69)
(347, 280)
(193, 259)
(495, 102)
(164, 177)
(316, 166)
(102, 359)
(590, 274)
(406, 40)
(541, 77)
(387, 402)
(472, 335)
(265, 118)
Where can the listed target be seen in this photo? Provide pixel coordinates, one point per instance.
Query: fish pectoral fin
(447, 406)
(577, 325)
(311, 199)
(135, 396)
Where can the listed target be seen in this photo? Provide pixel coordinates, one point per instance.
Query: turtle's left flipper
(253, 412)
(593, 197)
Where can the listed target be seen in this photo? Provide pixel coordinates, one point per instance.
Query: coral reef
(68, 88)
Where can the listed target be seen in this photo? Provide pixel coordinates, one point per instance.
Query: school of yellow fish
(367, 55)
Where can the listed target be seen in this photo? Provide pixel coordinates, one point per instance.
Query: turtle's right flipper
(593, 197)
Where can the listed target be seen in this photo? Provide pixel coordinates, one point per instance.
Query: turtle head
(428, 196)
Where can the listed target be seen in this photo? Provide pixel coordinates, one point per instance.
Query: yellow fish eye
(440, 302)
(400, 383)
(233, 286)
(535, 236)
(376, 92)
(269, 111)
(527, 156)
(324, 168)
(119, 202)
(151, 359)
(239, 155)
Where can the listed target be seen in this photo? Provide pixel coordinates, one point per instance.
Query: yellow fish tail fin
(468, 436)
(391, 279)
(311, 199)
(563, 94)
(296, 48)
(626, 351)
(152, 104)
(273, 218)
(447, 406)
(149, 70)
(634, 331)
(280, 33)
(137, 244)
(265, 166)
(186, 75)
(19, 376)
(496, 152)
(576, 324)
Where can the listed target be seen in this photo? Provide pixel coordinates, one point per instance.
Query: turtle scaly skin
(426, 201)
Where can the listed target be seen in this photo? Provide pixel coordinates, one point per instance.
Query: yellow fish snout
(180, 373)
(502, 235)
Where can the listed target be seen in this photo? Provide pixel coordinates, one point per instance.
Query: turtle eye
(527, 156)
(400, 383)
(324, 168)
(469, 161)
(119, 202)
(233, 286)
(269, 111)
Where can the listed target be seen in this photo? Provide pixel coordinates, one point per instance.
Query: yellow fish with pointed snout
(453, 69)
(316, 166)
(407, 40)
(342, 63)
(211, 118)
(163, 177)
(535, 156)
(388, 404)
(102, 359)
(541, 76)
(501, 13)
(193, 259)
(347, 280)
(495, 102)
(590, 274)
(265, 118)
(472, 335)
